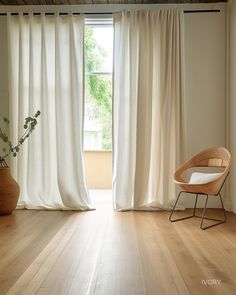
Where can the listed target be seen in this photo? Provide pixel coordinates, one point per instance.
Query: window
(98, 85)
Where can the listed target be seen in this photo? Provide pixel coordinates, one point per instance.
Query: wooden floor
(110, 253)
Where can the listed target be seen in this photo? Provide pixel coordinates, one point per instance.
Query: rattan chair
(213, 157)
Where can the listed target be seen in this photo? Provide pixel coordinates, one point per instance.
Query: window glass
(98, 88)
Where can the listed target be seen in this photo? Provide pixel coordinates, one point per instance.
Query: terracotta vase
(9, 191)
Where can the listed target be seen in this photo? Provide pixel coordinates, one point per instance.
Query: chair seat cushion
(201, 178)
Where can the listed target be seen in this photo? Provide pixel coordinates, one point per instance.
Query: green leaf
(37, 114)
(6, 120)
(27, 120)
(30, 123)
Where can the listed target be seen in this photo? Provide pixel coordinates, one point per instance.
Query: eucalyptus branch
(29, 126)
(12, 150)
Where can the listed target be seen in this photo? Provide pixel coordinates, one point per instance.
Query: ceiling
(76, 2)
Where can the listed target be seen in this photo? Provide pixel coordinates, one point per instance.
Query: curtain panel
(46, 74)
(149, 124)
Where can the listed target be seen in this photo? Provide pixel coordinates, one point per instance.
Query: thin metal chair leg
(219, 221)
(203, 212)
(195, 205)
(223, 208)
(172, 211)
(203, 217)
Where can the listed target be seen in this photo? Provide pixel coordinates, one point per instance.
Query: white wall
(98, 169)
(205, 71)
(205, 66)
(232, 100)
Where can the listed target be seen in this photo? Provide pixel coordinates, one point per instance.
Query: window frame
(97, 21)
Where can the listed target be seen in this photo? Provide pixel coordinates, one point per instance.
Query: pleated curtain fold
(46, 74)
(149, 124)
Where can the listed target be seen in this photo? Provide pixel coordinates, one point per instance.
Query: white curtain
(148, 107)
(46, 74)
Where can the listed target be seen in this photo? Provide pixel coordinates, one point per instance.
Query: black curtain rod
(94, 13)
(47, 13)
(199, 11)
(53, 13)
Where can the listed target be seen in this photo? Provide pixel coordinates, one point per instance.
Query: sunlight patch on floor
(101, 198)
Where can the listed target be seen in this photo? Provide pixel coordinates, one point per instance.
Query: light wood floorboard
(109, 253)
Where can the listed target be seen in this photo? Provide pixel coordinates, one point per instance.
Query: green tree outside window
(98, 88)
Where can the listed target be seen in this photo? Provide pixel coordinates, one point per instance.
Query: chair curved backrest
(212, 157)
